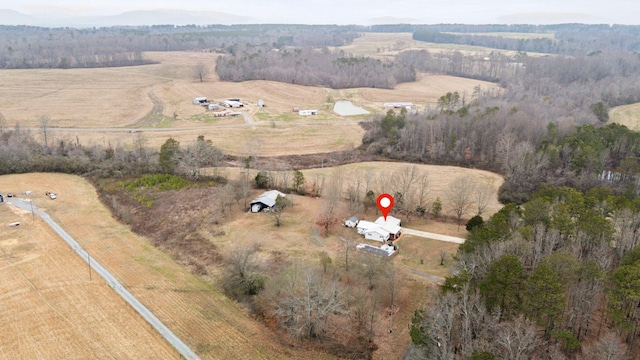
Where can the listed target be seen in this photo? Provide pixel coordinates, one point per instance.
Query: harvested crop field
(52, 309)
(627, 115)
(212, 325)
(86, 105)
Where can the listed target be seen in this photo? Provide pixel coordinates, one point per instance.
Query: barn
(200, 100)
(265, 201)
(232, 103)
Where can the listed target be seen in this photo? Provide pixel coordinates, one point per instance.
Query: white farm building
(308, 112)
(265, 201)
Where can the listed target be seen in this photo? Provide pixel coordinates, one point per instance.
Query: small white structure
(377, 234)
(260, 103)
(213, 107)
(308, 112)
(232, 103)
(200, 100)
(265, 201)
(351, 222)
(398, 105)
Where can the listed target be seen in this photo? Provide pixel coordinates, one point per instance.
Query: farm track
(182, 348)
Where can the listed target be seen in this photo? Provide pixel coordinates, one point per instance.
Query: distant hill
(132, 18)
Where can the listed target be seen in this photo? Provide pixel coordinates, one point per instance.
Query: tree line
(554, 278)
(313, 67)
(24, 47)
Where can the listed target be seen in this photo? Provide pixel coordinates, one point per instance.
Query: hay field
(51, 309)
(381, 177)
(387, 45)
(627, 115)
(212, 325)
(156, 98)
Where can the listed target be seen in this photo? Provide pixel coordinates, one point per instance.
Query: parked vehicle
(51, 195)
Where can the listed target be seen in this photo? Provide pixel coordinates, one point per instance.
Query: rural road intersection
(180, 346)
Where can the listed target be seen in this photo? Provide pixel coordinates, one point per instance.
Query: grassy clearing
(387, 45)
(198, 313)
(627, 115)
(423, 255)
(515, 35)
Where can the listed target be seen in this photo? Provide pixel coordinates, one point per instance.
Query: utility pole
(89, 262)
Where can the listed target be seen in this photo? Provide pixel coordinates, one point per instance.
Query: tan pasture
(384, 177)
(627, 115)
(156, 99)
(212, 325)
(388, 45)
(52, 308)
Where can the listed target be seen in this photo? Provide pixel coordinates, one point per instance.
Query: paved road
(182, 348)
(433, 236)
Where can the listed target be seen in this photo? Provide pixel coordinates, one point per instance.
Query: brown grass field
(627, 115)
(146, 97)
(387, 45)
(212, 325)
(438, 177)
(51, 309)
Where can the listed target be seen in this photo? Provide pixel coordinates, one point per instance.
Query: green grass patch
(157, 181)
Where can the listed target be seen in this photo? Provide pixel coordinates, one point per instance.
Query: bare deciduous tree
(201, 71)
(44, 125)
(308, 304)
(460, 196)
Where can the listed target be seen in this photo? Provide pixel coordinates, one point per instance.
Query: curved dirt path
(164, 331)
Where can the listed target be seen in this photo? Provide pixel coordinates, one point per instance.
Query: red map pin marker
(385, 204)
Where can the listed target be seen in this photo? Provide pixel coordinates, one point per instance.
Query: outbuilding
(308, 112)
(351, 222)
(265, 201)
(200, 100)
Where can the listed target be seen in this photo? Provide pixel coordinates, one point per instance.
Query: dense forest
(35, 47)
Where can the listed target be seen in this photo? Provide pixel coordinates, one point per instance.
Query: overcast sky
(360, 11)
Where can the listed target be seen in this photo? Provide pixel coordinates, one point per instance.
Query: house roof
(390, 220)
(378, 230)
(352, 218)
(391, 228)
(364, 224)
(268, 198)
